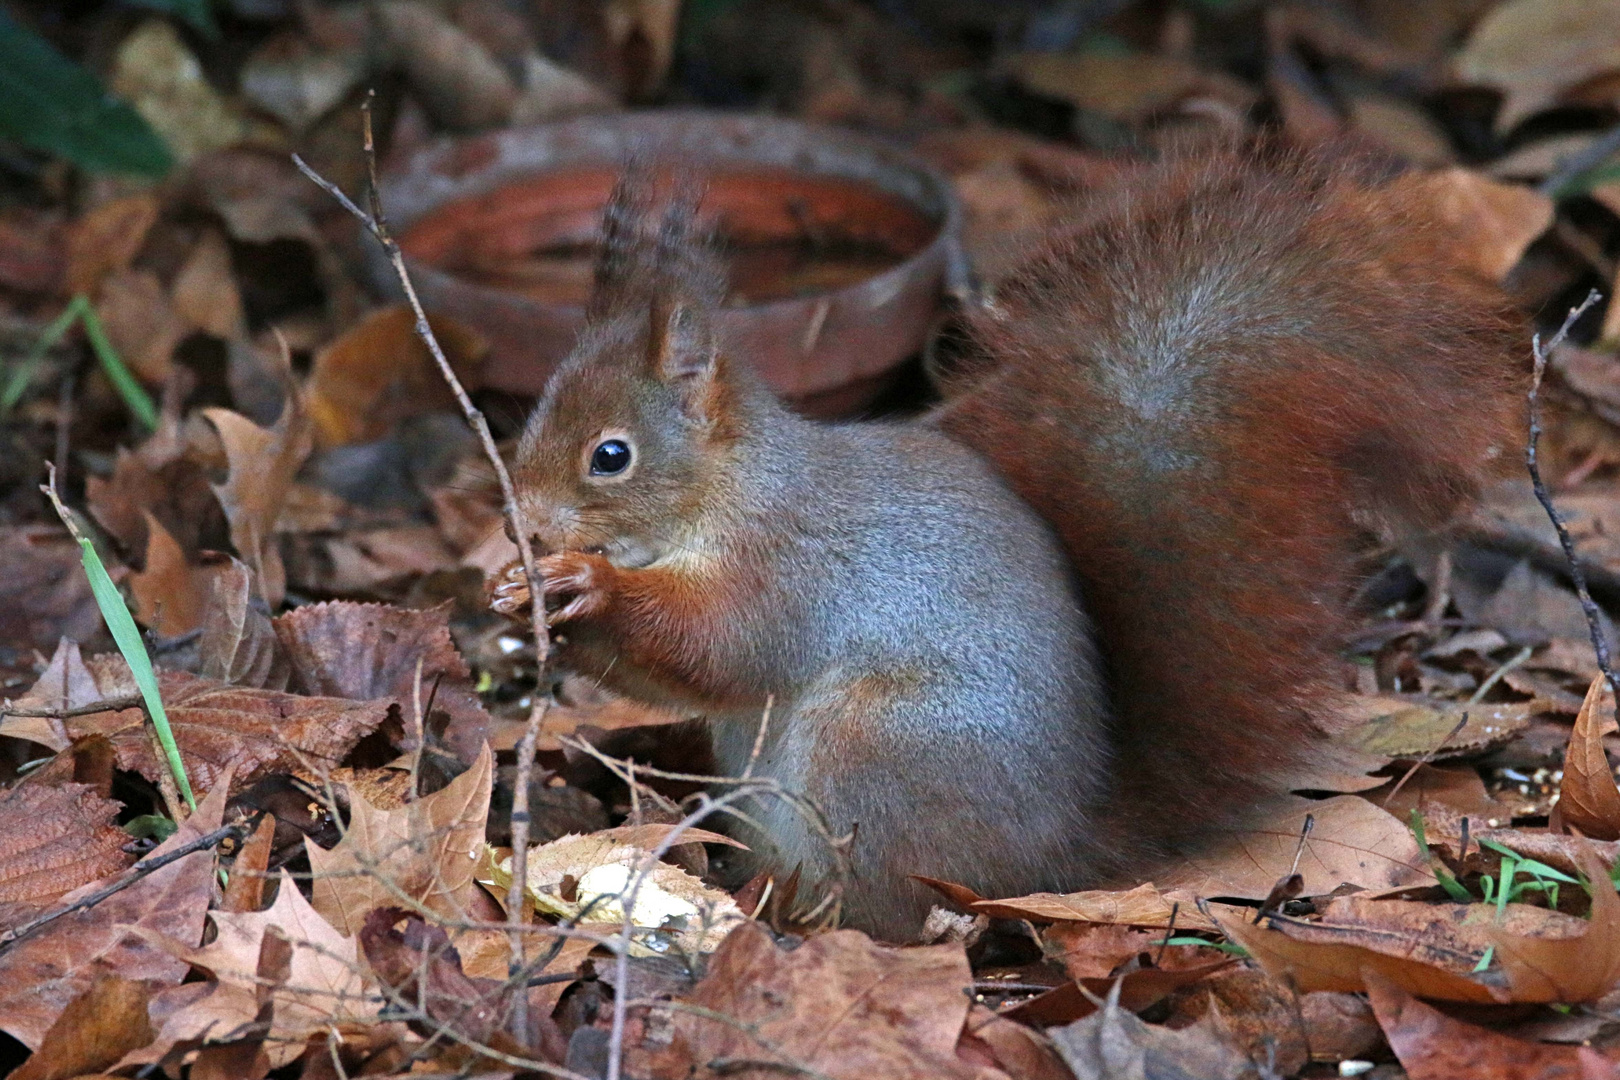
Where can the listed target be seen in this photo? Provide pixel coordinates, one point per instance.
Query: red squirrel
(1082, 616)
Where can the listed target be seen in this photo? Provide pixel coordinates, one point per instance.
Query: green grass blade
(136, 399)
(128, 638)
(17, 385)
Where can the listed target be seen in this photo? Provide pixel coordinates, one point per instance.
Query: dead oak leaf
(43, 973)
(1588, 797)
(262, 463)
(426, 850)
(67, 683)
(261, 731)
(839, 1005)
(53, 840)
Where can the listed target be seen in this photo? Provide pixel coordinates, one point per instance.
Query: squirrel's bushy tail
(1210, 383)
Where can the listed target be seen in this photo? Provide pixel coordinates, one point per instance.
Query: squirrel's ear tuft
(681, 352)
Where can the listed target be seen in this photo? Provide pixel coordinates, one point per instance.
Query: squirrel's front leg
(581, 580)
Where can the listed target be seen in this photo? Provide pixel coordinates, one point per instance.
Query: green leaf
(152, 826)
(199, 13)
(51, 104)
(128, 638)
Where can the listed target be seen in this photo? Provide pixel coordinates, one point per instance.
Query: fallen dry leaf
(1394, 727)
(1430, 788)
(205, 291)
(462, 87)
(1137, 989)
(1534, 50)
(1588, 798)
(1144, 905)
(96, 1029)
(378, 372)
(1493, 222)
(427, 850)
(1254, 1012)
(838, 1004)
(1571, 968)
(370, 651)
(324, 986)
(1433, 1046)
(171, 595)
(106, 239)
(155, 72)
(53, 840)
(1351, 842)
(44, 595)
(141, 323)
(260, 731)
(1018, 1051)
(238, 644)
(43, 973)
(161, 477)
(262, 464)
(1113, 1043)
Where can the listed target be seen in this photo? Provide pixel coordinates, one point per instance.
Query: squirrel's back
(1212, 381)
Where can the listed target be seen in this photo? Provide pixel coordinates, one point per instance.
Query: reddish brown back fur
(1206, 382)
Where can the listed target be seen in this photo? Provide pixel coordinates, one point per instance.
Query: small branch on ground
(377, 224)
(1594, 623)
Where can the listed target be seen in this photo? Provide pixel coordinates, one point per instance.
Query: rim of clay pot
(830, 350)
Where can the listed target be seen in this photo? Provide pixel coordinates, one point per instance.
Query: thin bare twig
(135, 873)
(377, 224)
(1594, 624)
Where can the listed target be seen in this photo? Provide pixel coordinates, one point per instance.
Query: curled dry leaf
(1493, 222)
(141, 323)
(586, 878)
(323, 987)
(171, 595)
(1534, 50)
(1588, 798)
(1138, 989)
(462, 87)
(53, 840)
(1113, 1042)
(46, 971)
(1433, 1046)
(837, 1006)
(107, 238)
(238, 644)
(1251, 1010)
(425, 851)
(205, 291)
(1573, 968)
(67, 683)
(262, 464)
(260, 731)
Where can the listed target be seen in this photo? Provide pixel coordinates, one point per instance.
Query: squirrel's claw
(580, 577)
(509, 592)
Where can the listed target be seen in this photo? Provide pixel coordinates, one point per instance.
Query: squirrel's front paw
(509, 592)
(581, 581)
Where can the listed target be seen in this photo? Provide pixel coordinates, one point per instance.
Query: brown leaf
(1126, 88)
(1144, 905)
(1137, 990)
(1112, 1043)
(238, 644)
(428, 850)
(53, 840)
(1533, 50)
(1317, 957)
(1494, 223)
(205, 292)
(324, 986)
(1433, 1046)
(107, 239)
(141, 323)
(462, 87)
(1094, 950)
(423, 969)
(44, 595)
(1569, 968)
(1016, 1050)
(1588, 798)
(1352, 842)
(165, 478)
(262, 464)
(67, 683)
(96, 1029)
(378, 372)
(1394, 727)
(1338, 1026)
(261, 731)
(44, 972)
(838, 1004)
(31, 257)
(1254, 1012)
(370, 651)
(245, 889)
(171, 596)
(1429, 788)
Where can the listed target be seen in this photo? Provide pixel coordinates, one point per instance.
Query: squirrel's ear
(682, 354)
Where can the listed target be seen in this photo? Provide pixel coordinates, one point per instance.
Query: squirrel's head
(632, 426)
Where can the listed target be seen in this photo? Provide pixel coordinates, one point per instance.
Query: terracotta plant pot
(840, 246)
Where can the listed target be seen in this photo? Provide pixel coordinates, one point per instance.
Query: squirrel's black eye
(611, 457)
